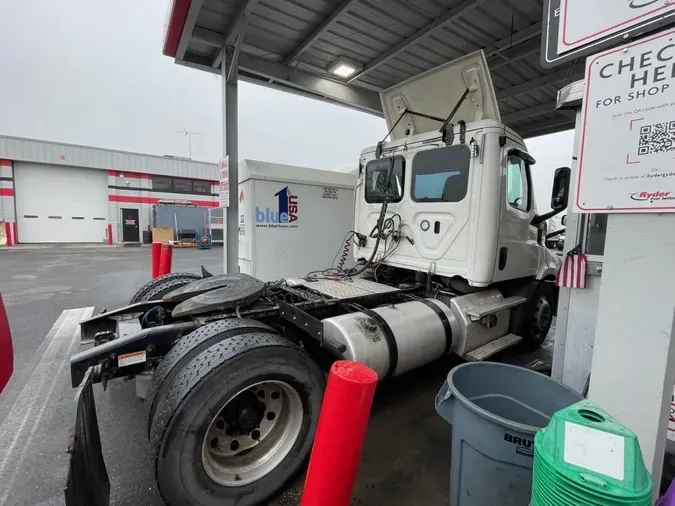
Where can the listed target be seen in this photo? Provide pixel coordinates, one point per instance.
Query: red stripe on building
(153, 200)
(6, 192)
(5, 163)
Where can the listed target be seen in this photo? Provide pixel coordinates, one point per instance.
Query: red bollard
(339, 436)
(8, 232)
(110, 240)
(165, 258)
(156, 253)
(16, 234)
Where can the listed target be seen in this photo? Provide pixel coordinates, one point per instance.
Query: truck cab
(450, 259)
(458, 187)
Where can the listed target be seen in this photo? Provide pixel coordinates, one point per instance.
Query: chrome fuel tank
(396, 338)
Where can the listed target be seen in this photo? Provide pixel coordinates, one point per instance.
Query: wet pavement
(406, 455)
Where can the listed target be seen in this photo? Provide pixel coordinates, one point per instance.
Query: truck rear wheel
(237, 422)
(169, 282)
(189, 347)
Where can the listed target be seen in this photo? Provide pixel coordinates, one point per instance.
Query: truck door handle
(503, 254)
(437, 227)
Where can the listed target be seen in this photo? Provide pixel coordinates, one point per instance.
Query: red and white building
(62, 193)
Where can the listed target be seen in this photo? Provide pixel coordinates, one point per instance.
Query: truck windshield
(441, 175)
(377, 183)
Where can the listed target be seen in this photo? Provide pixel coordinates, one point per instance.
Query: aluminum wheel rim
(233, 455)
(542, 317)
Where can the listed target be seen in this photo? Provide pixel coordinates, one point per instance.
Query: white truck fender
(549, 265)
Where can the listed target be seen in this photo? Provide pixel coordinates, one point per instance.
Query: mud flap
(88, 483)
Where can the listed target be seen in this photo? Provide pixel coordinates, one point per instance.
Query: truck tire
(532, 320)
(237, 422)
(176, 279)
(189, 347)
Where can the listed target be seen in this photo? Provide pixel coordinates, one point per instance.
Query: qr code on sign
(657, 138)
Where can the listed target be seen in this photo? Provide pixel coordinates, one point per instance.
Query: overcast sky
(92, 72)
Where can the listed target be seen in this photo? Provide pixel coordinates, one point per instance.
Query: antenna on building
(189, 135)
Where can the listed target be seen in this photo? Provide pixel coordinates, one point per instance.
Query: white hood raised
(437, 91)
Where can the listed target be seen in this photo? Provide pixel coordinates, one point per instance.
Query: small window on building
(378, 182)
(182, 185)
(161, 183)
(201, 186)
(441, 174)
(517, 187)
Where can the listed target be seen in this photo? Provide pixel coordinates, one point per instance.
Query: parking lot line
(23, 419)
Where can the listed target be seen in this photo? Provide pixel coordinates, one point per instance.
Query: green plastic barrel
(584, 456)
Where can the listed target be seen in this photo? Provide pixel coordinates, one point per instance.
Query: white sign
(224, 192)
(627, 156)
(583, 22)
(595, 450)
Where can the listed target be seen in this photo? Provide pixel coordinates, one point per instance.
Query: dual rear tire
(157, 288)
(232, 411)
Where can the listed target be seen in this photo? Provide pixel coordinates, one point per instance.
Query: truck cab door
(517, 248)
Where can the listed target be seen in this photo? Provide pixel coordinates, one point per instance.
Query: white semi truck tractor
(450, 258)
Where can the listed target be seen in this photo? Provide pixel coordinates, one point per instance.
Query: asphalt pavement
(406, 455)
(36, 409)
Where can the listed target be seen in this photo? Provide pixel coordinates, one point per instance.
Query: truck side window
(377, 183)
(517, 184)
(441, 174)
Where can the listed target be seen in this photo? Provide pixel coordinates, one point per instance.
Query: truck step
(478, 312)
(493, 347)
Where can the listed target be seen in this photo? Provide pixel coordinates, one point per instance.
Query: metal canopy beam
(320, 30)
(557, 124)
(186, 34)
(529, 112)
(516, 53)
(359, 98)
(304, 82)
(539, 82)
(212, 38)
(234, 61)
(518, 37)
(437, 23)
(237, 28)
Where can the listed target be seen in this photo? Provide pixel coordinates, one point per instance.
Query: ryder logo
(286, 214)
(639, 4)
(652, 196)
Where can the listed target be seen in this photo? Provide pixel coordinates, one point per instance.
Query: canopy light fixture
(344, 67)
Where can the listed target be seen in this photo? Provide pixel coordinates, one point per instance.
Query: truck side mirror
(561, 188)
(559, 196)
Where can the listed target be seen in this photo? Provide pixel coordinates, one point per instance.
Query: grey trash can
(495, 411)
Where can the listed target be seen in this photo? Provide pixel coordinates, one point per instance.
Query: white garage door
(60, 204)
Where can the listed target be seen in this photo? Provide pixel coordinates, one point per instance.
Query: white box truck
(292, 220)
